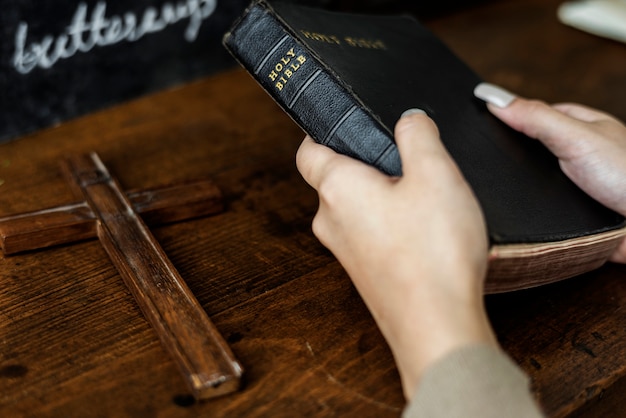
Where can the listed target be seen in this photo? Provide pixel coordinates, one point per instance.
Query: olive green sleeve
(474, 381)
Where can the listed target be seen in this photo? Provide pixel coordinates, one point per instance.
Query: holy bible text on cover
(346, 79)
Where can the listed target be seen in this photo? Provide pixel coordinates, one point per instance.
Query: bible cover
(346, 79)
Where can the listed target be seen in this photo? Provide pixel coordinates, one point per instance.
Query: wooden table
(73, 342)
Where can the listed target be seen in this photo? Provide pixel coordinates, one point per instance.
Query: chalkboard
(60, 59)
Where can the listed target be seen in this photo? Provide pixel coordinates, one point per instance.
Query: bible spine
(308, 91)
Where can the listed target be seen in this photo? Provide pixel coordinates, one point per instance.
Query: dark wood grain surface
(73, 342)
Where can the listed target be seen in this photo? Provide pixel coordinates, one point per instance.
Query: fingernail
(413, 112)
(495, 95)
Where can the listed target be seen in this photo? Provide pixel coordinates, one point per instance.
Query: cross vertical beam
(208, 365)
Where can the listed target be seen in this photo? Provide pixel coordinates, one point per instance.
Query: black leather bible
(346, 79)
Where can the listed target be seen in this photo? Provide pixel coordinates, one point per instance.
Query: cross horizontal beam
(75, 222)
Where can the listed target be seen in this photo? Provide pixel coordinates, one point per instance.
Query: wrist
(431, 326)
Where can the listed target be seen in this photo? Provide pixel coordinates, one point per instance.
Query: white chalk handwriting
(83, 33)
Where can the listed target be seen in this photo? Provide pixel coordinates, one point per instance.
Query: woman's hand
(590, 145)
(415, 247)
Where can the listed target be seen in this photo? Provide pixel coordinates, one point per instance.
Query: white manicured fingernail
(413, 112)
(495, 95)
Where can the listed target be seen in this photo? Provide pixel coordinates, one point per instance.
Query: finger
(417, 138)
(581, 112)
(536, 119)
(619, 256)
(311, 160)
(317, 163)
(555, 129)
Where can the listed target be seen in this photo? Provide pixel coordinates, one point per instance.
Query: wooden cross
(207, 363)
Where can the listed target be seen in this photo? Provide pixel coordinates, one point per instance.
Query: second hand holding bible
(346, 79)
